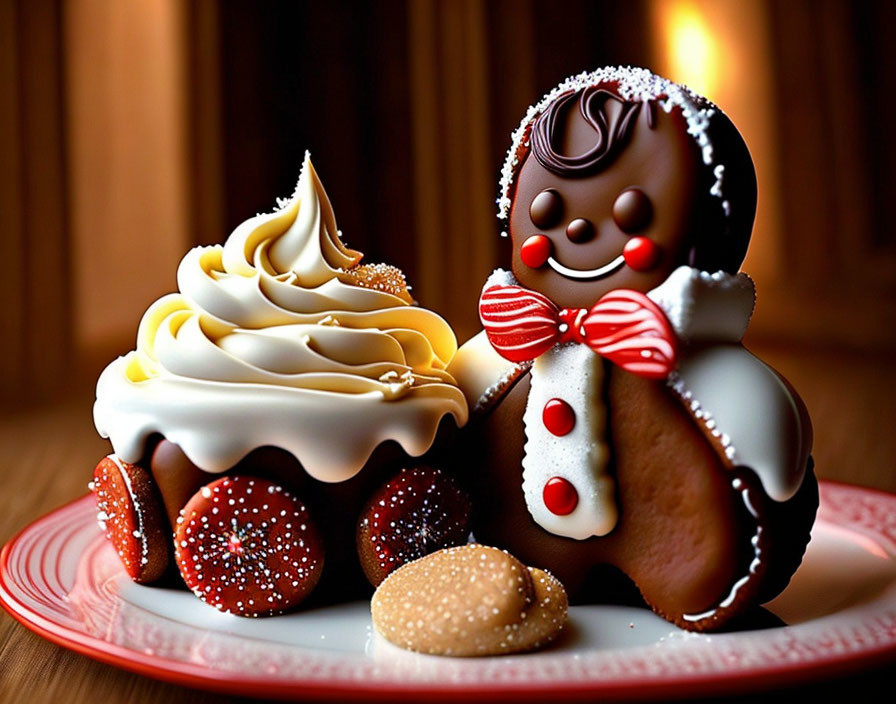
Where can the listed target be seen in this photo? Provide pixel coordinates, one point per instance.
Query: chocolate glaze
(611, 118)
(580, 230)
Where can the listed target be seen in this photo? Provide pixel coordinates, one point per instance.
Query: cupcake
(277, 401)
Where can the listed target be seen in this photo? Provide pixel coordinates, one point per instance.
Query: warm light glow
(691, 48)
(721, 49)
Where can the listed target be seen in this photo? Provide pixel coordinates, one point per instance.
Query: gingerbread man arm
(481, 373)
(756, 416)
(753, 413)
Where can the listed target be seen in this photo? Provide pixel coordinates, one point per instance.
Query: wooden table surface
(47, 454)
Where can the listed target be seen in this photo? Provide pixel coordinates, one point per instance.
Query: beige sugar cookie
(469, 600)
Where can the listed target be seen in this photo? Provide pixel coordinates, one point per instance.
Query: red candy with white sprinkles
(420, 511)
(130, 513)
(248, 547)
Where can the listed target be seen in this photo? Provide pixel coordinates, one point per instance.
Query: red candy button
(560, 496)
(641, 254)
(558, 416)
(535, 251)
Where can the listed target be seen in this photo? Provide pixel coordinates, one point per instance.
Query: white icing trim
(500, 277)
(585, 274)
(574, 374)
(496, 390)
(743, 403)
(706, 306)
(140, 532)
(676, 383)
(751, 411)
(755, 541)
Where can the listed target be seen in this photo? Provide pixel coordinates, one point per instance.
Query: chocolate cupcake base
(335, 508)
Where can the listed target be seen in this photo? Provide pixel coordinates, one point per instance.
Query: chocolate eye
(632, 210)
(580, 230)
(546, 208)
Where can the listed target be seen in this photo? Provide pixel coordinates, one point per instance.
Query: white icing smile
(598, 273)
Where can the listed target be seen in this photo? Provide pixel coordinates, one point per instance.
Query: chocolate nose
(580, 230)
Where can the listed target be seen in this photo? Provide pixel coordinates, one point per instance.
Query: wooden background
(130, 132)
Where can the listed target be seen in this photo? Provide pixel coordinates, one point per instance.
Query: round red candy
(641, 254)
(246, 546)
(130, 513)
(534, 252)
(560, 497)
(419, 511)
(558, 417)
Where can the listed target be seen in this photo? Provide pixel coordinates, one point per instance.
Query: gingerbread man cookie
(620, 425)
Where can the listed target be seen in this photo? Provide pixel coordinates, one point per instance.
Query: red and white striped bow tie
(624, 326)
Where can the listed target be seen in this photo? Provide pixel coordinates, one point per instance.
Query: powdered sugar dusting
(256, 554)
(119, 514)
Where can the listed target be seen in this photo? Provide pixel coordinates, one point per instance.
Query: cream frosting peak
(271, 341)
(301, 238)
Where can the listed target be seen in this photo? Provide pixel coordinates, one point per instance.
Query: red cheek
(534, 252)
(641, 254)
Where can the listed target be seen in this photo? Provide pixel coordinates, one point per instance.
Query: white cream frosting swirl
(272, 342)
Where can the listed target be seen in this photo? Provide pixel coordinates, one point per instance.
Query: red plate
(61, 579)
